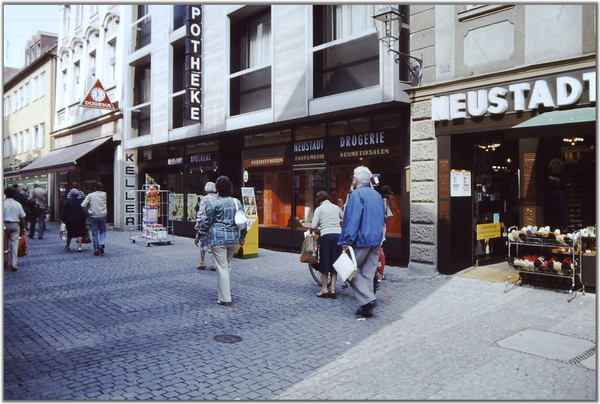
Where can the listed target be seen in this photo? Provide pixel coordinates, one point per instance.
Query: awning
(576, 121)
(66, 156)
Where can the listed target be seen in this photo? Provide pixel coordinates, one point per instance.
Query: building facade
(28, 106)
(285, 99)
(510, 102)
(85, 140)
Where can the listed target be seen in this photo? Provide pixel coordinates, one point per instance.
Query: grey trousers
(222, 256)
(367, 259)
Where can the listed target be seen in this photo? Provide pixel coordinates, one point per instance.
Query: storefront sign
(553, 92)
(130, 186)
(264, 161)
(200, 158)
(363, 139)
(309, 145)
(488, 230)
(364, 153)
(174, 161)
(193, 63)
(310, 158)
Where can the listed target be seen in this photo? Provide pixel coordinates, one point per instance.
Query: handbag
(346, 266)
(23, 249)
(310, 246)
(241, 220)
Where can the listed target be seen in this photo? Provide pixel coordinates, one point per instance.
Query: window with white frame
(93, 9)
(142, 27)
(75, 81)
(66, 19)
(112, 65)
(7, 107)
(14, 144)
(78, 15)
(91, 80)
(251, 59)
(20, 143)
(38, 136)
(62, 91)
(6, 147)
(14, 101)
(25, 140)
(26, 95)
(345, 48)
(42, 85)
(36, 87)
(141, 110)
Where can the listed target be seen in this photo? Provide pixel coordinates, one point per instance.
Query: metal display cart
(153, 224)
(552, 257)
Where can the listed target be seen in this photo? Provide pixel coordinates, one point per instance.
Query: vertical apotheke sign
(193, 63)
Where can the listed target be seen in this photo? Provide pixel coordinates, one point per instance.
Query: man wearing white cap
(39, 197)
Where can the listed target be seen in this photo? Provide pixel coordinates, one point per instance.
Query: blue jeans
(98, 224)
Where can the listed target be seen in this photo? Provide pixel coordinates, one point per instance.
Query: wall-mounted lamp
(388, 22)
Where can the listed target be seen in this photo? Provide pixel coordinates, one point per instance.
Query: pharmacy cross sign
(97, 98)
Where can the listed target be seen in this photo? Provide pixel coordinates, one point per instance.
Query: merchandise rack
(152, 226)
(571, 249)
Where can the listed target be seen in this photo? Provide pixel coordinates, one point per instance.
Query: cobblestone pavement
(142, 323)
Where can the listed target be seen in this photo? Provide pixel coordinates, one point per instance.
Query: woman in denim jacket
(225, 236)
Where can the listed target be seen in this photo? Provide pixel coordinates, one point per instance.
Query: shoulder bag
(241, 220)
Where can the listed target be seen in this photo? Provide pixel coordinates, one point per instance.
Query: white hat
(38, 183)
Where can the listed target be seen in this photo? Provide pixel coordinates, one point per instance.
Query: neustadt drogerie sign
(551, 92)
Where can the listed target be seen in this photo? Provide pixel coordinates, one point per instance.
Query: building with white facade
(85, 140)
(286, 99)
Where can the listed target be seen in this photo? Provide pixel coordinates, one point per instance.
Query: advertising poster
(460, 183)
(249, 202)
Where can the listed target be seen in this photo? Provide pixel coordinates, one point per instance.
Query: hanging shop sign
(193, 63)
(549, 92)
(97, 98)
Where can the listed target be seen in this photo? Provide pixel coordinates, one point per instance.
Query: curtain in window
(351, 19)
(259, 42)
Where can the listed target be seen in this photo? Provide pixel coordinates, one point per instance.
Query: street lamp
(388, 22)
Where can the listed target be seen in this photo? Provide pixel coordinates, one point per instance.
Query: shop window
(273, 186)
(307, 182)
(250, 64)
(346, 49)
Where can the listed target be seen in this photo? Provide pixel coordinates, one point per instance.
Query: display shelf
(153, 224)
(546, 255)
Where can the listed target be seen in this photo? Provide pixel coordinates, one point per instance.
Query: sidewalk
(143, 323)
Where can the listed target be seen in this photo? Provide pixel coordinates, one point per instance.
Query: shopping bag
(346, 266)
(23, 249)
(62, 232)
(241, 220)
(309, 253)
(86, 236)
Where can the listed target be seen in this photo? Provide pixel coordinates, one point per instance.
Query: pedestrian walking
(211, 193)
(225, 236)
(74, 219)
(76, 190)
(14, 226)
(328, 219)
(362, 229)
(38, 197)
(94, 205)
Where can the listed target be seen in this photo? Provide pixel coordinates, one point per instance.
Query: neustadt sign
(552, 92)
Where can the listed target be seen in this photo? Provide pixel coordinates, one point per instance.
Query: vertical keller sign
(193, 63)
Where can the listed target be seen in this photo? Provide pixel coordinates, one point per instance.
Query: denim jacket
(220, 216)
(364, 218)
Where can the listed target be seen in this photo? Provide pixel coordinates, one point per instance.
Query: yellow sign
(251, 245)
(488, 230)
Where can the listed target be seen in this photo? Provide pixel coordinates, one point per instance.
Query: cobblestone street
(143, 323)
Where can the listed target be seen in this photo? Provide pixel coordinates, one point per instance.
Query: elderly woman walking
(211, 193)
(224, 235)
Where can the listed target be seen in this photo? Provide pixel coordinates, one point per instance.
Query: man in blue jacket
(362, 228)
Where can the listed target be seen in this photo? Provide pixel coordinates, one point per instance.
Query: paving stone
(140, 323)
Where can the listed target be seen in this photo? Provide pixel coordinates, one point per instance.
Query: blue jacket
(220, 217)
(364, 218)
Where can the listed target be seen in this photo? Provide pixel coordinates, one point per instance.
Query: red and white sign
(97, 98)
